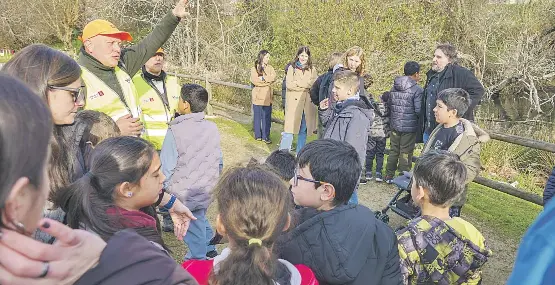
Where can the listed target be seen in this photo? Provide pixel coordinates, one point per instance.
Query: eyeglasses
(297, 177)
(78, 94)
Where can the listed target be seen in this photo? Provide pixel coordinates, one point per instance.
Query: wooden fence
(493, 184)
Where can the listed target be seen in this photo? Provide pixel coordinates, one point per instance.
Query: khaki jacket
(298, 100)
(262, 93)
(467, 147)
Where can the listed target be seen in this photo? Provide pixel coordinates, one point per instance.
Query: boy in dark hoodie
(435, 248)
(341, 243)
(349, 120)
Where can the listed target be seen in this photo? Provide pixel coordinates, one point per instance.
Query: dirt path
(374, 195)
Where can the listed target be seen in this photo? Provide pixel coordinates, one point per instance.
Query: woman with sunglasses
(56, 78)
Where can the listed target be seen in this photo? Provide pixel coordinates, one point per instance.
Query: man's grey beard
(437, 69)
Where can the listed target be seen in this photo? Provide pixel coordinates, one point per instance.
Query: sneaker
(388, 179)
(211, 254)
(363, 181)
(168, 228)
(268, 141)
(369, 176)
(379, 177)
(259, 139)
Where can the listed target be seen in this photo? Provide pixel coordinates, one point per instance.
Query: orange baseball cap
(105, 28)
(160, 50)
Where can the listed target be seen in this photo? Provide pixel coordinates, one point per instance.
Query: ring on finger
(45, 269)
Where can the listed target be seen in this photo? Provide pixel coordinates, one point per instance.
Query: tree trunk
(196, 33)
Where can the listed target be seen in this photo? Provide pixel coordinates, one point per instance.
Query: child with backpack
(379, 132)
(435, 248)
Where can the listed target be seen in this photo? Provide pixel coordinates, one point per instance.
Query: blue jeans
(198, 237)
(262, 121)
(354, 197)
(287, 138)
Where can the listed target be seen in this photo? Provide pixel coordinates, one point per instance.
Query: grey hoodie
(405, 103)
(349, 121)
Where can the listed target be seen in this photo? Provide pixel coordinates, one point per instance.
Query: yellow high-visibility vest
(155, 113)
(100, 97)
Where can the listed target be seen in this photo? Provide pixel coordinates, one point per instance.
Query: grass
(5, 58)
(508, 216)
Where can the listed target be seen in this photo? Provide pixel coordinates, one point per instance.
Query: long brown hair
(253, 204)
(40, 66)
(259, 61)
(86, 201)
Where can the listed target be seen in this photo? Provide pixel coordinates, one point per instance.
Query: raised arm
(137, 55)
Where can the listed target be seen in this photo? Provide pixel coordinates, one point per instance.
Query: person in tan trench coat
(300, 113)
(263, 76)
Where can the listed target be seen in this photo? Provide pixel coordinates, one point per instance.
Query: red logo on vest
(100, 93)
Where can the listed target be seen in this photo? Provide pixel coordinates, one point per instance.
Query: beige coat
(298, 100)
(262, 93)
(467, 147)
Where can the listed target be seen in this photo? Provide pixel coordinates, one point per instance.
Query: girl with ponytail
(253, 205)
(123, 183)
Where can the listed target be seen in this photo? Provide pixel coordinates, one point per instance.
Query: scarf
(300, 66)
(132, 219)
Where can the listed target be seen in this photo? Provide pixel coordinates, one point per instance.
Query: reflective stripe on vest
(155, 114)
(100, 97)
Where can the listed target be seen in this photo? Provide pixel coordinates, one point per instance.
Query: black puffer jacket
(345, 245)
(405, 102)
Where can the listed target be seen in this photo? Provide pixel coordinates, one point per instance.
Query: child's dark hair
(283, 163)
(196, 96)
(253, 206)
(442, 174)
(455, 99)
(86, 201)
(96, 126)
(334, 162)
(411, 68)
(25, 133)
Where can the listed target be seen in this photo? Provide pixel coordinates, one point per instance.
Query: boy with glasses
(342, 243)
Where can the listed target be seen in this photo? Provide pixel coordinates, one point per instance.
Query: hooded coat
(405, 102)
(467, 147)
(349, 121)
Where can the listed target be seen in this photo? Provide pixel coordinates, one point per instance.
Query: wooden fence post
(209, 110)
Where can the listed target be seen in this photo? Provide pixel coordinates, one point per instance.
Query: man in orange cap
(158, 95)
(107, 69)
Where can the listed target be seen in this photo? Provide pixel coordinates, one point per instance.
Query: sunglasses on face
(78, 94)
